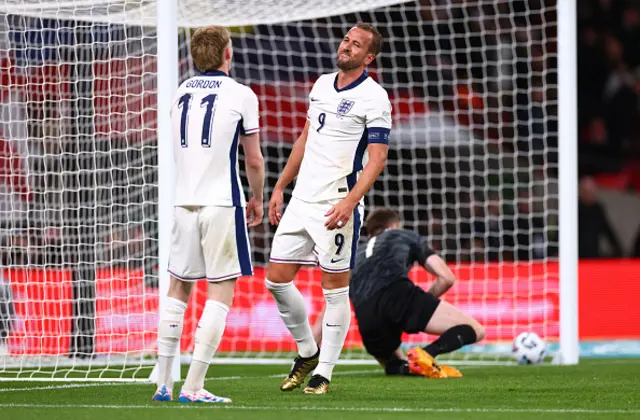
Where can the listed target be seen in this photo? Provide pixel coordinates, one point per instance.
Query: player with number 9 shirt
(349, 117)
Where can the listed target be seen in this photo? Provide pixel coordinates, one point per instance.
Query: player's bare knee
(281, 273)
(335, 280)
(479, 330)
(222, 291)
(179, 289)
(277, 274)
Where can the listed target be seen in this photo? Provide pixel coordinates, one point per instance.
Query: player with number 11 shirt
(340, 153)
(212, 115)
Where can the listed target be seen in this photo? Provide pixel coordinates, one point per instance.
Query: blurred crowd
(609, 117)
(609, 85)
(518, 102)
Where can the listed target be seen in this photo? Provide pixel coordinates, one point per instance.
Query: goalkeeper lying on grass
(387, 303)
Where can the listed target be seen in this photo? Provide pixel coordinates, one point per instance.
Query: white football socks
(293, 312)
(169, 332)
(335, 326)
(207, 339)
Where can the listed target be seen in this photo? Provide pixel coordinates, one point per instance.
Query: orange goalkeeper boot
(423, 360)
(416, 370)
(450, 371)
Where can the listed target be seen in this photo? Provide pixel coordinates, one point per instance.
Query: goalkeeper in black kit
(387, 303)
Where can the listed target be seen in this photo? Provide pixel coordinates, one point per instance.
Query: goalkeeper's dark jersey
(385, 259)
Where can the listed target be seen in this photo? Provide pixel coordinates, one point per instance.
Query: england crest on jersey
(345, 106)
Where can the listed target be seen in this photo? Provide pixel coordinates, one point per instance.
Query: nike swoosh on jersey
(314, 99)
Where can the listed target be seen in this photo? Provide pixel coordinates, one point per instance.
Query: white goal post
(483, 161)
(568, 180)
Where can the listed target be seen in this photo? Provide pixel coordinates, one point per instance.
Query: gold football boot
(318, 384)
(302, 366)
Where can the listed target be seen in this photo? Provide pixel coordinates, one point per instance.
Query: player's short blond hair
(207, 47)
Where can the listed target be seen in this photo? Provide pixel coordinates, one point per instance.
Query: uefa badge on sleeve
(345, 106)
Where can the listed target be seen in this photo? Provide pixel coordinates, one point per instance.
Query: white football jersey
(209, 113)
(342, 123)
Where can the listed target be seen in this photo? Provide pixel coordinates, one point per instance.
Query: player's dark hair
(376, 42)
(380, 219)
(207, 47)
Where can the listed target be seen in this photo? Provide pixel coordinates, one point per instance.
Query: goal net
(473, 166)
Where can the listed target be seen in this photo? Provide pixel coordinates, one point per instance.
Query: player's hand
(339, 215)
(255, 212)
(275, 206)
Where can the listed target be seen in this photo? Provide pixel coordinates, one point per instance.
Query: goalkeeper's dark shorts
(401, 307)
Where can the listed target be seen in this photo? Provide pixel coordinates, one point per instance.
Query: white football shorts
(302, 238)
(209, 242)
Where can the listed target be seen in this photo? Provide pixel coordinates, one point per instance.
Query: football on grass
(529, 348)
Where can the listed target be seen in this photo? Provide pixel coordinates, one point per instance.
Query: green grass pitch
(594, 389)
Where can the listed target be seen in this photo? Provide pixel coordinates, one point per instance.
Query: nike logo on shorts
(333, 260)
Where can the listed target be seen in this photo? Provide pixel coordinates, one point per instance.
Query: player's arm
(254, 165)
(254, 162)
(253, 159)
(288, 174)
(374, 167)
(339, 214)
(292, 167)
(444, 276)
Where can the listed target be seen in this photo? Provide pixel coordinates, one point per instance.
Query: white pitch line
(220, 378)
(66, 386)
(280, 375)
(320, 408)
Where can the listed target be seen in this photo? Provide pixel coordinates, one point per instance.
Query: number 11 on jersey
(207, 101)
(184, 103)
(207, 122)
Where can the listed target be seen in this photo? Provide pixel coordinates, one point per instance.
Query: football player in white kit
(212, 114)
(349, 117)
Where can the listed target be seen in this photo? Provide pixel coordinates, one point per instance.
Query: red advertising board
(609, 299)
(43, 311)
(505, 298)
